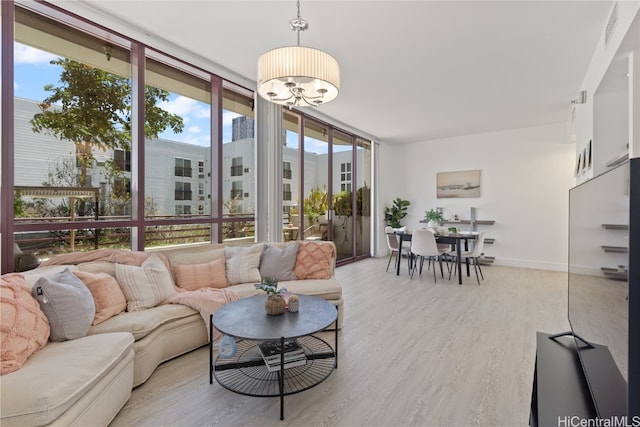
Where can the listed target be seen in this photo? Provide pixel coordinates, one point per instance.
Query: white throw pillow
(243, 263)
(145, 286)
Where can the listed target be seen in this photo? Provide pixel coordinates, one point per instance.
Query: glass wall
(332, 182)
(363, 197)
(238, 166)
(343, 219)
(87, 173)
(72, 109)
(317, 193)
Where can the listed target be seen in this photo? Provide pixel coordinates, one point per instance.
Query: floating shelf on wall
(614, 273)
(615, 226)
(616, 249)
(467, 221)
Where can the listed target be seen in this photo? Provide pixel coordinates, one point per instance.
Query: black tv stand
(559, 387)
(570, 333)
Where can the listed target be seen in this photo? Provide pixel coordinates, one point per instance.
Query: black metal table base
(247, 374)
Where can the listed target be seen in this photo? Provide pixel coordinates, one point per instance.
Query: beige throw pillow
(207, 275)
(145, 286)
(106, 292)
(243, 264)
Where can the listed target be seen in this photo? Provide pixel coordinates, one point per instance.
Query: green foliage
(316, 203)
(433, 215)
(18, 205)
(92, 107)
(363, 200)
(342, 203)
(270, 286)
(393, 214)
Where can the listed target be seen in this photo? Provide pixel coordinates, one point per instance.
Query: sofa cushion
(107, 295)
(328, 289)
(143, 322)
(314, 260)
(278, 262)
(24, 329)
(195, 257)
(145, 286)
(99, 267)
(192, 277)
(71, 369)
(243, 263)
(67, 303)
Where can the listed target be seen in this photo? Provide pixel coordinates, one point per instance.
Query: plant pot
(294, 306)
(274, 305)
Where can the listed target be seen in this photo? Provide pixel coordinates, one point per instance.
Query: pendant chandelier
(298, 76)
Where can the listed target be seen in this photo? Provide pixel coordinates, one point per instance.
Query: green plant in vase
(393, 214)
(274, 304)
(434, 217)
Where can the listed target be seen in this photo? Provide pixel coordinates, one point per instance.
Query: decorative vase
(294, 305)
(274, 305)
(227, 347)
(432, 224)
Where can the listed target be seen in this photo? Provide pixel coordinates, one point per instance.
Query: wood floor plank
(412, 353)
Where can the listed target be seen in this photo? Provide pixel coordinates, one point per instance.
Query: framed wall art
(458, 184)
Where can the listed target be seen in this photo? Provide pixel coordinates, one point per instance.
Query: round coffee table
(247, 321)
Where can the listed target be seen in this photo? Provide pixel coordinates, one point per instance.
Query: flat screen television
(604, 265)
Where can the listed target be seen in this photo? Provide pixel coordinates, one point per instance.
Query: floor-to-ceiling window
(114, 144)
(362, 180)
(238, 166)
(177, 152)
(330, 182)
(72, 97)
(100, 163)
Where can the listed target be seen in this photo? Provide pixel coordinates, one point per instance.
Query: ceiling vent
(613, 19)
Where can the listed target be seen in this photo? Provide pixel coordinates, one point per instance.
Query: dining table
(454, 239)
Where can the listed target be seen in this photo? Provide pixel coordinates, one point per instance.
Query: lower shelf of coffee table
(247, 374)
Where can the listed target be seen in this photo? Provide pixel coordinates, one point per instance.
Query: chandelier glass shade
(298, 76)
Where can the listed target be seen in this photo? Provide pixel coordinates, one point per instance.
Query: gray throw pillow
(67, 303)
(278, 263)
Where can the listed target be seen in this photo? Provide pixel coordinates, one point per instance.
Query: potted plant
(394, 214)
(434, 217)
(294, 303)
(274, 304)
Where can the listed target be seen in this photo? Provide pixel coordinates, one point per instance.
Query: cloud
(28, 55)
(193, 129)
(184, 107)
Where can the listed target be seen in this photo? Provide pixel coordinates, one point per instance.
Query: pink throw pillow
(24, 329)
(192, 277)
(106, 293)
(314, 260)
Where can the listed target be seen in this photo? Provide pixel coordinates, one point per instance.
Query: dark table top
(247, 318)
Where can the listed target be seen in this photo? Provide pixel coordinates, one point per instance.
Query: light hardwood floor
(411, 353)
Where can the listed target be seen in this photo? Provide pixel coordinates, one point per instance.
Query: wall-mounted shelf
(614, 273)
(467, 221)
(615, 226)
(615, 249)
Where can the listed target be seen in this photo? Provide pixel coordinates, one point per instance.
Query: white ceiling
(411, 70)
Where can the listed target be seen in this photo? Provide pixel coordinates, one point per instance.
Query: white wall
(525, 178)
(609, 61)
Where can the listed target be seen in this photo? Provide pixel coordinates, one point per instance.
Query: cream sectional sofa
(123, 351)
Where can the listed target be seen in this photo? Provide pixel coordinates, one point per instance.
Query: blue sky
(33, 71)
